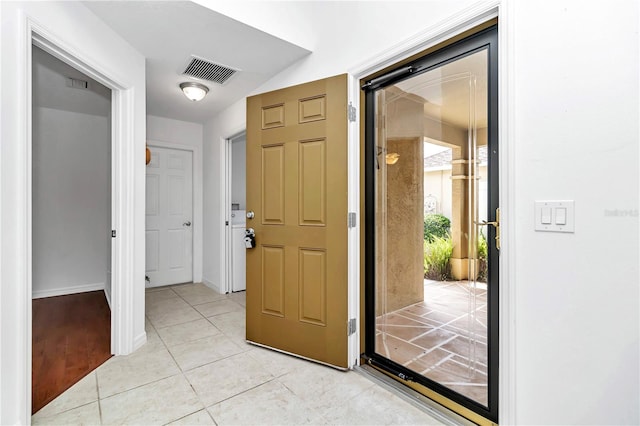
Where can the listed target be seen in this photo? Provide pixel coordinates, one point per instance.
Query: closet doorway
(71, 226)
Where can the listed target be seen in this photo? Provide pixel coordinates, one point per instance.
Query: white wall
(169, 133)
(576, 137)
(574, 70)
(70, 26)
(239, 172)
(71, 203)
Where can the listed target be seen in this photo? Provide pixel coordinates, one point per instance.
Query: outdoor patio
(443, 338)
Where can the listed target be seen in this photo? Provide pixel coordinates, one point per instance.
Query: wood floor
(71, 337)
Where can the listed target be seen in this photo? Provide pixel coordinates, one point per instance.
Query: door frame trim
(123, 176)
(486, 39)
(196, 202)
(228, 170)
(454, 25)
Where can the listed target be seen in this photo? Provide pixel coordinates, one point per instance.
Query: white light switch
(554, 216)
(561, 216)
(545, 218)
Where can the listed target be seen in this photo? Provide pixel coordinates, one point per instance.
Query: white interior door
(169, 207)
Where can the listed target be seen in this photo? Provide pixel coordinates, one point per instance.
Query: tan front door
(297, 189)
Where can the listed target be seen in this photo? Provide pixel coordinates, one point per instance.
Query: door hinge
(351, 326)
(113, 233)
(351, 112)
(351, 220)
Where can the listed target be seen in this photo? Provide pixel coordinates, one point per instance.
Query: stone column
(400, 234)
(405, 205)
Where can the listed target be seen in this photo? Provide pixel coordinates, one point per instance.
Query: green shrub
(436, 225)
(436, 258)
(483, 250)
(482, 246)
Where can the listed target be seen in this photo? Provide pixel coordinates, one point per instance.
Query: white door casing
(169, 217)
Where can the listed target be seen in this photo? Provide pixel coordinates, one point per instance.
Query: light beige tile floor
(196, 369)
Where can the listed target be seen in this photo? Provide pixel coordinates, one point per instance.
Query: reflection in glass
(431, 252)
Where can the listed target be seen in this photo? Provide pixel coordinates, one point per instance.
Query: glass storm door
(432, 222)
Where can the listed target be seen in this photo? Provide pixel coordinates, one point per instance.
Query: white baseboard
(139, 341)
(108, 297)
(38, 294)
(212, 285)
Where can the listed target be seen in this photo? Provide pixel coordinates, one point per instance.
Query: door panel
(313, 286)
(169, 236)
(273, 195)
(297, 274)
(312, 183)
(273, 280)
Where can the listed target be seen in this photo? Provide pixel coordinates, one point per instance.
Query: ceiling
(167, 33)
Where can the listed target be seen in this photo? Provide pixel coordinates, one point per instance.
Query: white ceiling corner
(168, 33)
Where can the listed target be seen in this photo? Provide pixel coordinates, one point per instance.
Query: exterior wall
(438, 184)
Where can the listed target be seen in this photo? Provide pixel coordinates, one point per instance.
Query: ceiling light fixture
(194, 91)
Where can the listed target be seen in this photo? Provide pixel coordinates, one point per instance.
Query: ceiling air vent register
(206, 70)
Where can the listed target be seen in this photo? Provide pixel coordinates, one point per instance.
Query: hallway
(196, 368)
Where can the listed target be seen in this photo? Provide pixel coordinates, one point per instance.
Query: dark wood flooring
(71, 338)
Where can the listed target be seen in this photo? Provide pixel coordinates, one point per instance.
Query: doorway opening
(431, 185)
(71, 226)
(235, 210)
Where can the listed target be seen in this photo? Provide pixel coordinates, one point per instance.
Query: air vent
(200, 68)
(77, 83)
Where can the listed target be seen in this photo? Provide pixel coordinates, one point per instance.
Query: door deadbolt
(250, 214)
(250, 238)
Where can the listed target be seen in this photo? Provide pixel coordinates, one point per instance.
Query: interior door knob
(187, 223)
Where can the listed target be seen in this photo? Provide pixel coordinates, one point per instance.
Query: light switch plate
(556, 220)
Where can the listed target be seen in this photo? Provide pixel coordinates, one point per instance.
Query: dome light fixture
(194, 91)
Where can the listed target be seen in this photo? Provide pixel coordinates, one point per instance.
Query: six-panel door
(297, 188)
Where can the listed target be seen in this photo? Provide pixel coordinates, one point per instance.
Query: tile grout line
(98, 395)
(183, 372)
